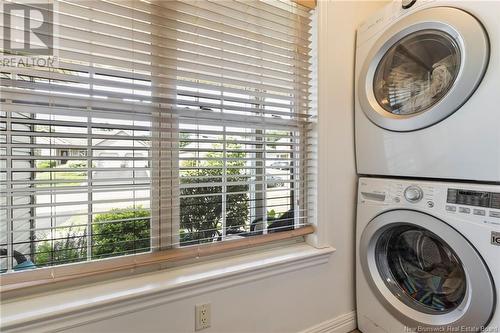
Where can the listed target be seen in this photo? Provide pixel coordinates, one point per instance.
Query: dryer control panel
(386, 16)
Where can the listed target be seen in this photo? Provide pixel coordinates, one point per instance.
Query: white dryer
(427, 256)
(427, 91)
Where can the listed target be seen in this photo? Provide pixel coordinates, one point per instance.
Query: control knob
(414, 194)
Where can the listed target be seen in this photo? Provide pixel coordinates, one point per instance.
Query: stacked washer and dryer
(427, 118)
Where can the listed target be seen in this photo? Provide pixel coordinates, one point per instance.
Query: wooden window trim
(311, 4)
(25, 281)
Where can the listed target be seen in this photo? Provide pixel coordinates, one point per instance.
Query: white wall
(337, 171)
(285, 303)
(298, 300)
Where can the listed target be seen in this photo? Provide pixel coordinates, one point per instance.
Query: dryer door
(424, 68)
(426, 273)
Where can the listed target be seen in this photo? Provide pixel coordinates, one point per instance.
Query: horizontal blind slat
(74, 39)
(195, 18)
(74, 73)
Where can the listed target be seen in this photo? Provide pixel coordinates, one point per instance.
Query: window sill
(74, 307)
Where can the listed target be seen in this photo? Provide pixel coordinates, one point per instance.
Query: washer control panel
(375, 192)
(480, 203)
(473, 198)
(475, 202)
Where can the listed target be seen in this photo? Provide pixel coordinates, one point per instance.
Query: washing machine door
(423, 69)
(426, 273)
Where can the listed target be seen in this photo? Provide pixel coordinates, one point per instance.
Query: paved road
(124, 177)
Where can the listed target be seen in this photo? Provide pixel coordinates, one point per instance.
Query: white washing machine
(427, 256)
(427, 91)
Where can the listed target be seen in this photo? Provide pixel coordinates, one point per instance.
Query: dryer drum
(423, 69)
(417, 72)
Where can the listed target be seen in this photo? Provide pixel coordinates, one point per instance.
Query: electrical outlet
(202, 316)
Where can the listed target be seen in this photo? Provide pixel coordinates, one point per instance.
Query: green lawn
(79, 176)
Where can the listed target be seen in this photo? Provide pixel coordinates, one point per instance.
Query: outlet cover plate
(203, 314)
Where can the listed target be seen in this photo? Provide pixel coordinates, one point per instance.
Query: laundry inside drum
(421, 269)
(417, 72)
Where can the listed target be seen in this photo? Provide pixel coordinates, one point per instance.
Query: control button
(413, 194)
(396, 199)
(480, 212)
(464, 210)
(451, 208)
(430, 204)
(495, 214)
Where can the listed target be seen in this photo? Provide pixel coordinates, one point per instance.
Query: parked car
(282, 165)
(274, 181)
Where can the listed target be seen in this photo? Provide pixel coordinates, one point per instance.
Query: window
(166, 124)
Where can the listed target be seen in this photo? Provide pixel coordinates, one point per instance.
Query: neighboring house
(124, 156)
(131, 161)
(71, 153)
(59, 152)
(79, 152)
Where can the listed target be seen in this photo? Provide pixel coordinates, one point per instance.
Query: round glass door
(421, 269)
(422, 69)
(416, 72)
(424, 272)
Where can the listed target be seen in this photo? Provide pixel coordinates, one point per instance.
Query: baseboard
(342, 324)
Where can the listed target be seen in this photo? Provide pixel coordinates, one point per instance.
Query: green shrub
(126, 231)
(201, 207)
(46, 164)
(76, 164)
(67, 249)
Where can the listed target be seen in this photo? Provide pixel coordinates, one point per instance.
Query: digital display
(473, 198)
(495, 200)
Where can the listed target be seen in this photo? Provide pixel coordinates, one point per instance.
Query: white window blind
(165, 124)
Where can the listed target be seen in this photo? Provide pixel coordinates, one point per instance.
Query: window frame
(62, 274)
